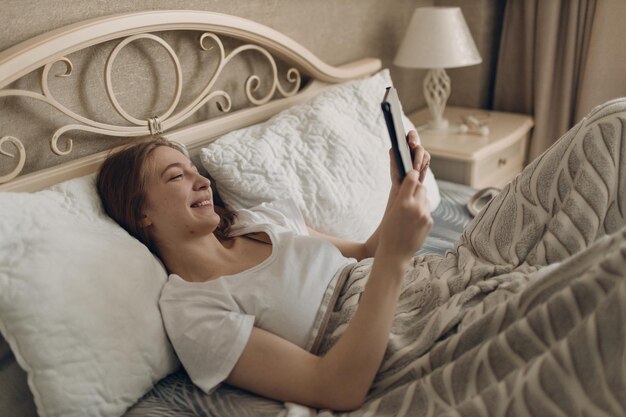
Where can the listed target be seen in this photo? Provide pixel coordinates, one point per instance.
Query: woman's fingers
(425, 161)
(413, 138)
(412, 190)
(425, 165)
(421, 158)
(418, 157)
(408, 221)
(417, 152)
(393, 169)
(408, 186)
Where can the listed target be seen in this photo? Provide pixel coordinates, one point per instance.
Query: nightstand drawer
(500, 168)
(476, 160)
(451, 170)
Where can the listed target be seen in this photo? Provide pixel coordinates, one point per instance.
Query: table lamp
(437, 38)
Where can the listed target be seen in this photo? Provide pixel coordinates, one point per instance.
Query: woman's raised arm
(367, 249)
(340, 380)
(348, 248)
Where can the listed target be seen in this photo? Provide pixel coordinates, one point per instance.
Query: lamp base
(436, 93)
(440, 125)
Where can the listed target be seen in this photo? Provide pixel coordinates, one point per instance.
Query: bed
(80, 338)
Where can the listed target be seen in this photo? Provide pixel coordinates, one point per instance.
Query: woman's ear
(145, 221)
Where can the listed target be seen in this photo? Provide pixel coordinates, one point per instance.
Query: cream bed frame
(44, 51)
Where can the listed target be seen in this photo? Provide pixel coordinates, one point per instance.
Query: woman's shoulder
(184, 302)
(177, 289)
(284, 213)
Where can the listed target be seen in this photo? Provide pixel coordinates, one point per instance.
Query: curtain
(558, 59)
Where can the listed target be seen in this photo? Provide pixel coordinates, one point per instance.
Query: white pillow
(79, 302)
(330, 155)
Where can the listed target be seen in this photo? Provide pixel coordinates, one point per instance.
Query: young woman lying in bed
(246, 288)
(516, 305)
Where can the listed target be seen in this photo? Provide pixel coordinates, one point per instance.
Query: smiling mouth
(201, 204)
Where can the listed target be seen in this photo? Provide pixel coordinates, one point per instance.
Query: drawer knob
(501, 162)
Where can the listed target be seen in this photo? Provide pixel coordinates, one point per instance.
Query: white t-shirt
(209, 323)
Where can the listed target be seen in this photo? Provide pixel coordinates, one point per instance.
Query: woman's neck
(197, 259)
(207, 257)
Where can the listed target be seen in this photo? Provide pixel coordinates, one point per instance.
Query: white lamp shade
(437, 37)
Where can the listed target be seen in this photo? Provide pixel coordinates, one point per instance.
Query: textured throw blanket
(527, 316)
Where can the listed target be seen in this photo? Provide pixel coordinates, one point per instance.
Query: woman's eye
(176, 177)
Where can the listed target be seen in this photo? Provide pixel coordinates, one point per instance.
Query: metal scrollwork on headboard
(22, 157)
(158, 123)
(54, 48)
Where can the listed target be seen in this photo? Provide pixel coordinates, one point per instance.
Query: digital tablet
(392, 110)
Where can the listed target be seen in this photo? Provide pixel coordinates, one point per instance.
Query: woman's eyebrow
(176, 164)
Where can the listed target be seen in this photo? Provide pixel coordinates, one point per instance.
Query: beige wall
(337, 31)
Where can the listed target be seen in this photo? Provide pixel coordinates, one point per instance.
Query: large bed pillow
(330, 155)
(79, 302)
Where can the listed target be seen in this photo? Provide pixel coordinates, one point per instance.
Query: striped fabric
(450, 218)
(525, 316)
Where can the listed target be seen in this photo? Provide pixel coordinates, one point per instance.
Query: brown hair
(121, 184)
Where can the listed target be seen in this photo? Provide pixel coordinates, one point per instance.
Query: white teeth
(201, 203)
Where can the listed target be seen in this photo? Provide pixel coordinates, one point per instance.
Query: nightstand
(472, 159)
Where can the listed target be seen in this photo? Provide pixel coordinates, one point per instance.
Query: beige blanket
(527, 316)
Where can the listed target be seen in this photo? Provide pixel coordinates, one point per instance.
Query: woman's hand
(421, 160)
(406, 223)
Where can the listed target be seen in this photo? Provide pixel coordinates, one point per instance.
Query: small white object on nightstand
(473, 158)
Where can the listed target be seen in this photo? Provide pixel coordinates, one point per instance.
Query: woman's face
(179, 201)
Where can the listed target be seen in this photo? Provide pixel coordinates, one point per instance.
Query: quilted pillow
(79, 302)
(330, 155)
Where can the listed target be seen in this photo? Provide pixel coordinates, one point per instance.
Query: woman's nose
(202, 183)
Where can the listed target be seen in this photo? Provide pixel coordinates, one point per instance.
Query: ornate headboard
(291, 74)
